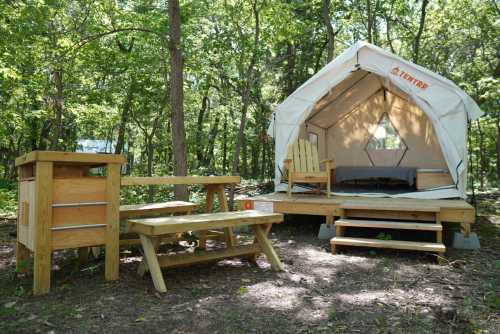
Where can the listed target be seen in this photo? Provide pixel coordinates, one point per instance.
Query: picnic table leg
(253, 257)
(152, 262)
(143, 266)
(228, 231)
(267, 248)
(209, 203)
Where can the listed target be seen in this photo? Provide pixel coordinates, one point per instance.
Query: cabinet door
(26, 217)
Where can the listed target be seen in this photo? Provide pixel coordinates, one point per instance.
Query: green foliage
(113, 62)
(8, 197)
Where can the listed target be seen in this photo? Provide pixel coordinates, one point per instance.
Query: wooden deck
(451, 211)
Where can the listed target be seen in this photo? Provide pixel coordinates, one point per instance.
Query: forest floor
(357, 291)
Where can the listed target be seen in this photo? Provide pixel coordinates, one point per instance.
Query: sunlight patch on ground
(269, 295)
(310, 315)
(395, 297)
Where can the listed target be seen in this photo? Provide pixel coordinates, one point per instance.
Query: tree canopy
(73, 70)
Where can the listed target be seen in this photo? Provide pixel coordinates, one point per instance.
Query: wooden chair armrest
(328, 163)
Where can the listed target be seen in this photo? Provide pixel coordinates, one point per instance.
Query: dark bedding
(349, 173)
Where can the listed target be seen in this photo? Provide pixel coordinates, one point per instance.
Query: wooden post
(228, 231)
(328, 177)
(43, 237)
(267, 248)
(152, 262)
(465, 229)
(112, 222)
(209, 203)
(439, 234)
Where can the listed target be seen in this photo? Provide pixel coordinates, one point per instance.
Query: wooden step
(389, 224)
(392, 244)
(387, 206)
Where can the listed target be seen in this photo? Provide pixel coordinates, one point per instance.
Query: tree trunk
(482, 155)
(120, 141)
(290, 67)
(149, 170)
(58, 102)
(329, 29)
(177, 98)
(246, 94)
(224, 146)
(369, 24)
(416, 43)
(205, 105)
(209, 154)
(498, 145)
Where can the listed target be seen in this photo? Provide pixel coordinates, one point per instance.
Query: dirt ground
(357, 291)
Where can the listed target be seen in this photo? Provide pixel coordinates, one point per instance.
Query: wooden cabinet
(61, 206)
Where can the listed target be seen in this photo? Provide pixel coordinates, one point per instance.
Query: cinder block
(326, 231)
(462, 242)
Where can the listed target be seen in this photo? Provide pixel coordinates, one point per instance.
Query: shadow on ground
(355, 291)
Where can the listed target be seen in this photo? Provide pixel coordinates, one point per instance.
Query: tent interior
(379, 140)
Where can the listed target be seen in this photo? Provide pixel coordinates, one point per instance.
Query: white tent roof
(444, 103)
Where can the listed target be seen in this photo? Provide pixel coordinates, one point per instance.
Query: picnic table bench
(150, 230)
(148, 210)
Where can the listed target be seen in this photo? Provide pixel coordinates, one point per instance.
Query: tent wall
(447, 107)
(347, 138)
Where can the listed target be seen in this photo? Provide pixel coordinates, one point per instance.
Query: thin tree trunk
(329, 29)
(205, 105)
(224, 147)
(370, 21)
(209, 154)
(416, 43)
(149, 170)
(290, 67)
(388, 27)
(177, 98)
(120, 141)
(58, 102)
(498, 146)
(246, 94)
(317, 63)
(481, 155)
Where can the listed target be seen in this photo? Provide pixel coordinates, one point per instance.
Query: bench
(151, 229)
(144, 210)
(151, 210)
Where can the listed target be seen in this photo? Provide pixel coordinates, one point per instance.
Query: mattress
(352, 173)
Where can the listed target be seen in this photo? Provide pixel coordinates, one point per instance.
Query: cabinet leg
(41, 272)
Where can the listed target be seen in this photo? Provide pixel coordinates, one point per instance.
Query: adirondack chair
(303, 165)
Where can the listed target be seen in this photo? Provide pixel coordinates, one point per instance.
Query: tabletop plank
(179, 224)
(166, 180)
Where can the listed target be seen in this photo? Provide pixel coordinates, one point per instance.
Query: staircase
(376, 210)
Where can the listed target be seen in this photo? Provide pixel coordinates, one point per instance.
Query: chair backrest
(304, 156)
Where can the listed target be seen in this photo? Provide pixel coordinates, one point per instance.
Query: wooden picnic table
(150, 230)
(214, 185)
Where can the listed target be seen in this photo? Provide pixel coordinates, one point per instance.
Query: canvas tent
(345, 105)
